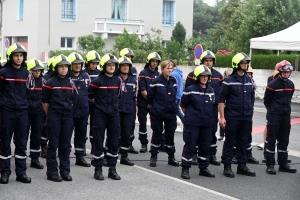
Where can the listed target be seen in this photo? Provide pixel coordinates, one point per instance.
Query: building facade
(45, 25)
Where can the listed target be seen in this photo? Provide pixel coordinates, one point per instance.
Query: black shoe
(144, 148)
(287, 168)
(251, 159)
(264, 160)
(172, 161)
(234, 160)
(23, 178)
(80, 161)
(162, 148)
(213, 160)
(66, 177)
(4, 178)
(270, 169)
(206, 172)
(55, 178)
(98, 173)
(44, 151)
(153, 160)
(112, 173)
(221, 137)
(244, 170)
(228, 172)
(35, 163)
(125, 161)
(185, 173)
(195, 159)
(132, 150)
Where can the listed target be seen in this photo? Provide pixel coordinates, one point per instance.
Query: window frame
(171, 20)
(64, 12)
(66, 43)
(115, 10)
(21, 10)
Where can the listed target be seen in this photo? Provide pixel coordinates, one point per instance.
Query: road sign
(198, 50)
(6, 43)
(197, 62)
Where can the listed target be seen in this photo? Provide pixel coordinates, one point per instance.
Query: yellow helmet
(125, 60)
(153, 56)
(60, 60)
(35, 64)
(239, 58)
(108, 58)
(76, 58)
(201, 70)
(49, 63)
(92, 56)
(126, 52)
(16, 48)
(208, 54)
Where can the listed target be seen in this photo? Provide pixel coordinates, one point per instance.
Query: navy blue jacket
(198, 103)
(145, 78)
(81, 105)
(126, 101)
(34, 97)
(13, 88)
(133, 72)
(93, 74)
(189, 79)
(162, 97)
(278, 96)
(59, 94)
(106, 91)
(237, 92)
(47, 76)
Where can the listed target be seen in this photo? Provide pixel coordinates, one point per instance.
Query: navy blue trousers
(126, 130)
(142, 117)
(80, 127)
(92, 113)
(35, 122)
(213, 145)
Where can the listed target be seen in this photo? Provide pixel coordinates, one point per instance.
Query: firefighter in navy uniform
(14, 115)
(58, 96)
(81, 81)
(277, 99)
(161, 100)
(35, 109)
(126, 107)
(133, 72)
(237, 92)
(91, 61)
(197, 103)
(105, 89)
(145, 78)
(44, 135)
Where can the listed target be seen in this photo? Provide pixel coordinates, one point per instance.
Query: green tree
(127, 40)
(179, 33)
(90, 42)
(173, 49)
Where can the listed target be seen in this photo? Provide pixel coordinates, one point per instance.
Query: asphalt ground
(164, 182)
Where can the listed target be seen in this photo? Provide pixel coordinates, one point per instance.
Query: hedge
(260, 61)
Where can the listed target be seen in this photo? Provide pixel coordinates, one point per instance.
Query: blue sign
(198, 50)
(6, 43)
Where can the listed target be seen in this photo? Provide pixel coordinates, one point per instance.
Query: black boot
(66, 177)
(125, 160)
(234, 160)
(172, 161)
(80, 161)
(244, 170)
(132, 150)
(287, 168)
(35, 163)
(44, 151)
(23, 178)
(213, 160)
(228, 172)
(4, 178)
(185, 173)
(54, 178)
(206, 172)
(195, 159)
(144, 148)
(270, 169)
(153, 160)
(112, 173)
(251, 159)
(98, 173)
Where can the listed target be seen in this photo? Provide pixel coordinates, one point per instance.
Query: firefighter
(161, 100)
(126, 107)
(133, 72)
(145, 78)
(92, 60)
(197, 103)
(81, 81)
(58, 96)
(14, 115)
(35, 109)
(105, 90)
(237, 92)
(277, 99)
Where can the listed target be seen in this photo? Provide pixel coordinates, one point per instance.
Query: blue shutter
(172, 12)
(21, 9)
(164, 12)
(74, 9)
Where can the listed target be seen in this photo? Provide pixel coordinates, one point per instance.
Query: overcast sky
(210, 2)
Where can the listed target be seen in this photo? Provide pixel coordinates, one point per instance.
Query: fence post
(296, 63)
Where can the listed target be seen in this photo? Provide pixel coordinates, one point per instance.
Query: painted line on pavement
(187, 183)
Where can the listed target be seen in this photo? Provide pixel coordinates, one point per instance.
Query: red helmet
(284, 66)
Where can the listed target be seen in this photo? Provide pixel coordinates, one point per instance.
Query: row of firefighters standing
(62, 100)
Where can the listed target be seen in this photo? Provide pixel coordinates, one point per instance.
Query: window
(22, 39)
(21, 9)
(168, 13)
(68, 10)
(67, 43)
(118, 10)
